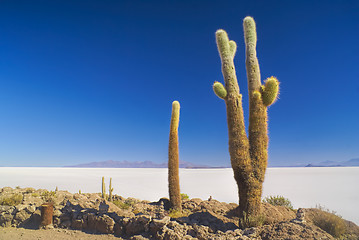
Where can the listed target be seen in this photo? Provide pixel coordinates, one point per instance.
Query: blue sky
(84, 81)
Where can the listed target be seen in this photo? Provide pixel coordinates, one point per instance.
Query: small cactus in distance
(110, 190)
(173, 160)
(248, 154)
(103, 188)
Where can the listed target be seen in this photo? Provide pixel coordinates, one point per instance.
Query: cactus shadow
(209, 220)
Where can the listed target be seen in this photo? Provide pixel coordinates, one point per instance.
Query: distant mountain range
(183, 164)
(145, 164)
(350, 163)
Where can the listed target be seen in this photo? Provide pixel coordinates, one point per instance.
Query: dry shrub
(329, 222)
(123, 204)
(13, 200)
(48, 196)
(174, 213)
(252, 221)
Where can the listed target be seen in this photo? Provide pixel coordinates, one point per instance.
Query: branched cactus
(110, 190)
(248, 154)
(173, 159)
(103, 188)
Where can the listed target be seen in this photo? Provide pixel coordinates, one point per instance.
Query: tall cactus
(173, 159)
(103, 188)
(110, 190)
(248, 154)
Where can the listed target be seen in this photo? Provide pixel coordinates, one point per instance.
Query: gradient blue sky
(84, 81)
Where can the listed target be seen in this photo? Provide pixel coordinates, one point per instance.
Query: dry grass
(252, 221)
(329, 222)
(48, 196)
(13, 200)
(173, 213)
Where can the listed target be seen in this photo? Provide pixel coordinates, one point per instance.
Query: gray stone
(65, 217)
(31, 208)
(21, 216)
(66, 224)
(157, 224)
(57, 213)
(105, 224)
(138, 237)
(138, 225)
(91, 221)
(250, 232)
(6, 219)
(103, 208)
(76, 224)
(118, 229)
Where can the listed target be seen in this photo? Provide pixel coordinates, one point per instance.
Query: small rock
(158, 224)
(66, 224)
(103, 208)
(105, 224)
(138, 225)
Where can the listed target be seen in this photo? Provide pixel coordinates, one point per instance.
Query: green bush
(278, 201)
(13, 200)
(121, 204)
(124, 204)
(35, 194)
(184, 196)
(174, 213)
(329, 222)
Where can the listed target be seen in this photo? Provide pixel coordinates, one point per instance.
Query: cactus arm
(173, 159)
(257, 130)
(270, 91)
(228, 69)
(232, 47)
(219, 90)
(252, 66)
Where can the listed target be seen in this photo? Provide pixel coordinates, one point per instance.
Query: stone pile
(134, 219)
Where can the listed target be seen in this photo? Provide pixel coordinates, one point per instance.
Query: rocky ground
(89, 216)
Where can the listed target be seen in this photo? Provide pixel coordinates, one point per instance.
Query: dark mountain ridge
(137, 164)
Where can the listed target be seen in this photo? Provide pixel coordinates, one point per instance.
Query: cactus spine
(110, 190)
(248, 154)
(103, 188)
(173, 159)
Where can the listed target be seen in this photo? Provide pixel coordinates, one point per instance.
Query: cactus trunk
(173, 159)
(248, 154)
(103, 188)
(110, 190)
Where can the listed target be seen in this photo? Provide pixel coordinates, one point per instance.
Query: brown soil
(11, 233)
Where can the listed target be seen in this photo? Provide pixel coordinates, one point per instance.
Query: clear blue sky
(84, 81)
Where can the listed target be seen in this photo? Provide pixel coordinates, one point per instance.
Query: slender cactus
(110, 190)
(248, 154)
(173, 159)
(103, 188)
